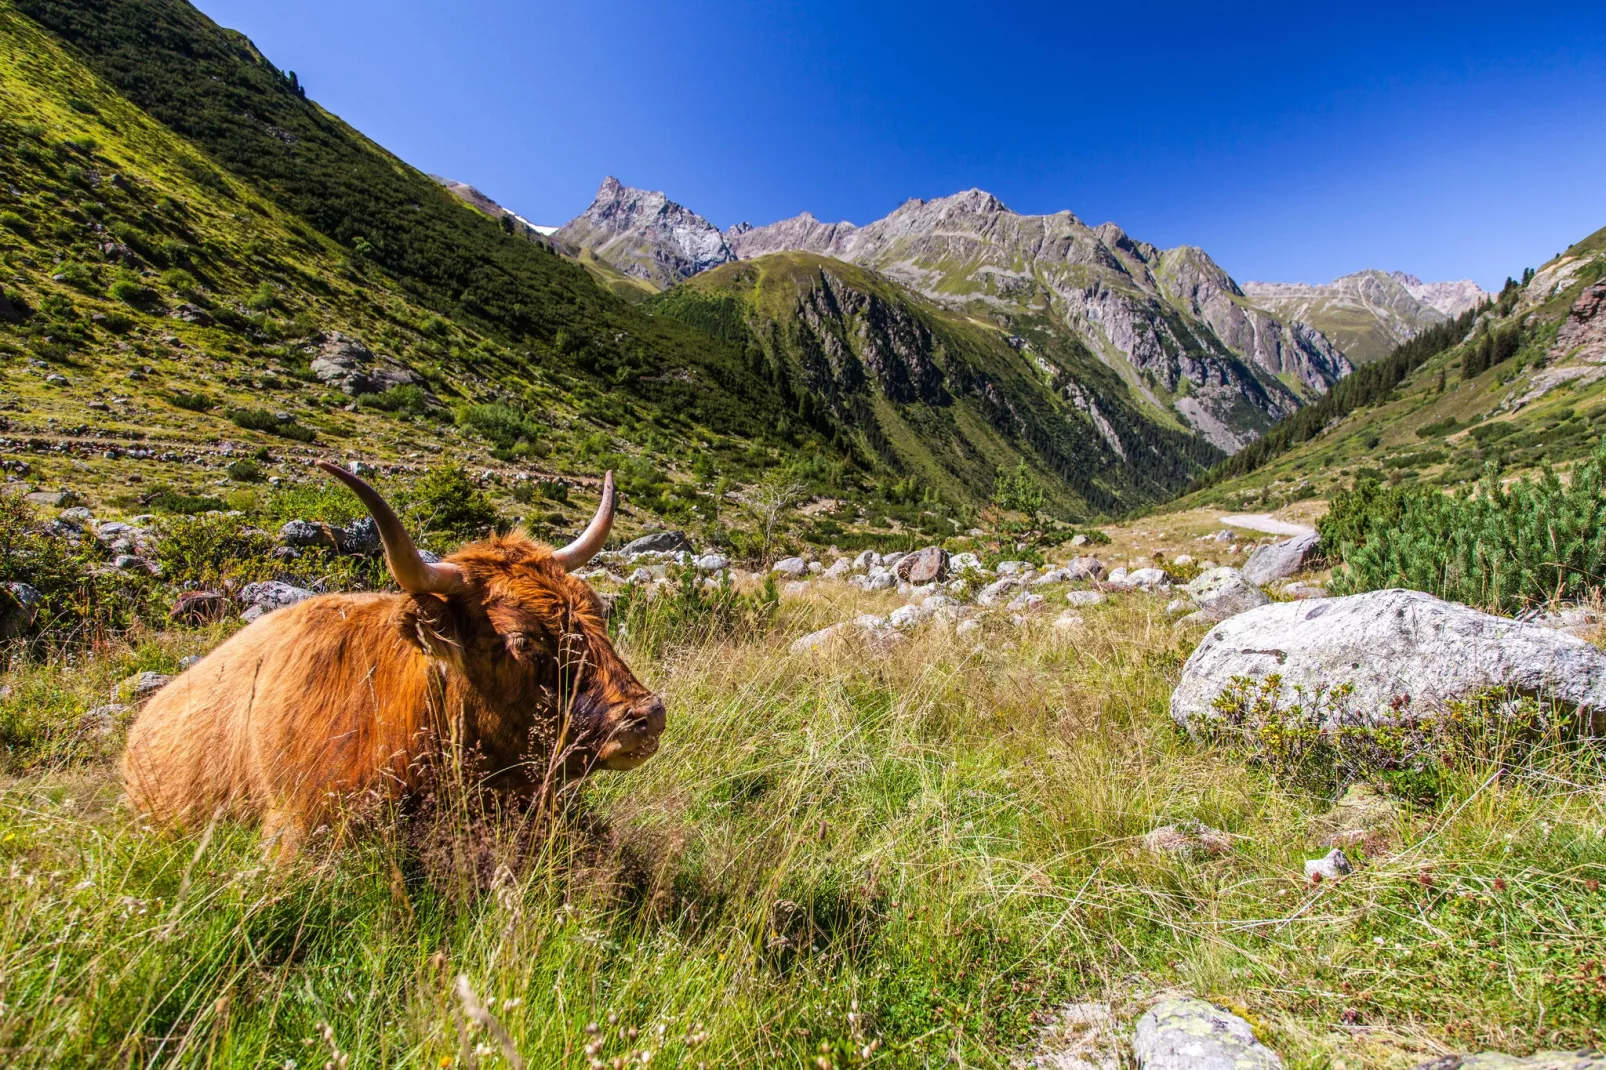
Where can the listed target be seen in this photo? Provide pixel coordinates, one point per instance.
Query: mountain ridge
(1171, 322)
(1369, 312)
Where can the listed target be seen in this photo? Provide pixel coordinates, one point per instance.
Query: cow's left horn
(584, 548)
(412, 572)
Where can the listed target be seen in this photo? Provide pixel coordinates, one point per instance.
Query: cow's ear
(428, 623)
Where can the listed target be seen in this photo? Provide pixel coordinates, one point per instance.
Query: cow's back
(307, 704)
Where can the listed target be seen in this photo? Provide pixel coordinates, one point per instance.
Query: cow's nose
(650, 713)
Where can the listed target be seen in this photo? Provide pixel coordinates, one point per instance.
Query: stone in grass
(1394, 648)
(199, 607)
(790, 566)
(1331, 866)
(142, 685)
(1542, 1060)
(103, 720)
(1187, 839)
(19, 606)
(1280, 560)
(1190, 1034)
(1085, 1036)
(923, 566)
(1083, 599)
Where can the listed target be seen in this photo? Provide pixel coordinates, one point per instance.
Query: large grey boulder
(1268, 564)
(1085, 568)
(1190, 1034)
(660, 542)
(1221, 593)
(1390, 645)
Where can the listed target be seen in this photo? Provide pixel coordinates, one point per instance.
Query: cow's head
(526, 637)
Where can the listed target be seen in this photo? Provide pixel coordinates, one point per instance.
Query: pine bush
(1500, 547)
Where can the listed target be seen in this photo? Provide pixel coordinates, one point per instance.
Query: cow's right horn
(412, 572)
(592, 538)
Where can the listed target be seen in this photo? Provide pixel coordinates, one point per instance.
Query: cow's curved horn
(412, 572)
(591, 539)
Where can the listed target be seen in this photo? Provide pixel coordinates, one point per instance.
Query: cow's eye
(517, 644)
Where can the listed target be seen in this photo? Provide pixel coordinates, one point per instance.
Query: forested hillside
(203, 264)
(1516, 383)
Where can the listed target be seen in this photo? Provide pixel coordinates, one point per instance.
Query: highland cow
(495, 652)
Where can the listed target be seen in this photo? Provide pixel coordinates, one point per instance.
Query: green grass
(927, 850)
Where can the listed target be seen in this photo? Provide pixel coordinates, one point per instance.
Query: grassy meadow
(911, 855)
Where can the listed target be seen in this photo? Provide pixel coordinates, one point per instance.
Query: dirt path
(1266, 523)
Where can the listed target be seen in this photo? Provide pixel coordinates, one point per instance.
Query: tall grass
(907, 856)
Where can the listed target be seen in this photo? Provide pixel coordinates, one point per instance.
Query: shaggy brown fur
(351, 695)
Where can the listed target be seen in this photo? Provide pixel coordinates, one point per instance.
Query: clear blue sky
(1294, 142)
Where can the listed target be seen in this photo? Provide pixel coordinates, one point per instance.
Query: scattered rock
(50, 499)
(1013, 568)
(77, 517)
(345, 363)
(866, 560)
(659, 542)
(270, 595)
(1268, 564)
(1084, 599)
(199, 607)
(307, 533)
(967, 627)
(961, 562)
(905, 617)
(1070, 620)
(1574, 620)
(997, 591)
(103, 720)
(1086, 1036)
(1085, 568)
(1302, 591)
(131, 563)
(1190, 1034)
(1221, 593)
(794, 588)
(1149, 579)
(19, 606)
(142, 685)
(790, 566)
(884, 581)
(187, 660)
(1188, 839)
(1079, 540)
(923, 566)
(361, 537)
(1394, 647)
(839, 568)
(1331, 866)
(1026, 602)
(711, 563)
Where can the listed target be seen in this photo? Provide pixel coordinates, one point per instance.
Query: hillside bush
(80, 600)
(446, 507)
(1319, 743)
(212, 551)
(263, 420)
(501, 425)
(688, 612)
(1500, 547)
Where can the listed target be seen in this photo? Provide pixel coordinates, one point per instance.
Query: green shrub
(1494, 546)
(76, 275)
(265, 299)
(80, 603)
(244, 470)
(501, 425)
(687, 612)
(446, 506)
(410, 399)
(1352, 513)
(211, 551)
(263, 420)
(192, 402)
(1320, 743)
(117, 323)
(16, 224)
(132, 293)
(179, 281)
(181, 504)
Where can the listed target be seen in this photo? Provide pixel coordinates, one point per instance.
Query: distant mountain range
(1370, 312)
(1171, 323)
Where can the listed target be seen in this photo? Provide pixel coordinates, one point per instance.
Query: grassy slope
(599, 377)
(994, 405)
(929, 849)
(1410, 434)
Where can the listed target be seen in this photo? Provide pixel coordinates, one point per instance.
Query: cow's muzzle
(636, 739)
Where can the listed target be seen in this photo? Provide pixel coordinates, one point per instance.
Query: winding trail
(1266, 523)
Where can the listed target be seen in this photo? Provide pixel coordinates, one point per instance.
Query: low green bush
(446, 507)
(688, 611)
(263, 420)
(409, 399)
(1320, 743)
(192, 402)
(1500, 547)
(501, 425)
(244, 470)
(179, 503)
(212, 551)
(131, 293)
(80, 600)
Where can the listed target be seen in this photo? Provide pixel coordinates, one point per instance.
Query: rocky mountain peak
(645, 234)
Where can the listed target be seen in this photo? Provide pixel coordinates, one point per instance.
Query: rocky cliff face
(1370, 312)
(1172, 320)
(646, 235)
